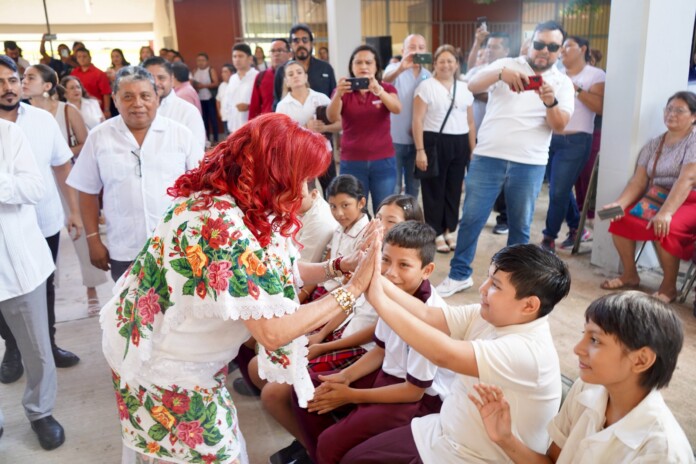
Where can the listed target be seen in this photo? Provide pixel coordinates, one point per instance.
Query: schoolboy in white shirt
(506, 338)
(614, 411)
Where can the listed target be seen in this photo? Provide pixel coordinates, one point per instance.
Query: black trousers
(210, 118)
(501, 208)
(5, 332)
(442, 194)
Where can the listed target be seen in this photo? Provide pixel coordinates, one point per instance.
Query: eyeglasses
(278, 50)
(304, 40)
(674, 110)
(539, 46)
(138, 168)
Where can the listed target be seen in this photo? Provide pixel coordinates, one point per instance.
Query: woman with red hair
(220, 267)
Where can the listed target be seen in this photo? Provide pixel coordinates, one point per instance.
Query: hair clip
(406, 206)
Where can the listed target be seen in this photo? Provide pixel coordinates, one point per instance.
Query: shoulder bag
(72, 140)
(651, 202)
(431, 151)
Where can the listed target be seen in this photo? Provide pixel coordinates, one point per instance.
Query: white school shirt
(318, 225)
(133, 205)
(362, 317)
(183, 112)
(402, 361)
(220, 97)
(24, 253)
(583, 118)
(300, 112)
(50, 149)
(522, 360)
(438, 99)
(514, 127)
(238, 91)
(343, 244)
(649, 433)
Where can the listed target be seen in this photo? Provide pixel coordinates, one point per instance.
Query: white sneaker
(449, 287)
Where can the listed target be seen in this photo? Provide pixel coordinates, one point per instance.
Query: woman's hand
(363, 274)
(375, 87)
(660, 224)
(421, 160)
(612, 205)
(342, 87)
(494, 410)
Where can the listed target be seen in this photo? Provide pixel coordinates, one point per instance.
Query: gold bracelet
(93, 234)
(345, 300)
(327, 269)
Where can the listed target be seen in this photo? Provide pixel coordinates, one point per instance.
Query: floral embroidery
(196, 259)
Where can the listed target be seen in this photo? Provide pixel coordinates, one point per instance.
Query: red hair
(262, 166)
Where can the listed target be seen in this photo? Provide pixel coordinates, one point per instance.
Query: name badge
(324, 75)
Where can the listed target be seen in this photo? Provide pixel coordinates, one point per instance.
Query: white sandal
(93, 307)
(441, 245)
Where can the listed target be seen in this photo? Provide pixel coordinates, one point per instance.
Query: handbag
(431, 151)
(651, 202)
(72, 140)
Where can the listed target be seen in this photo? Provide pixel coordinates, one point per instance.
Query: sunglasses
(539, 46)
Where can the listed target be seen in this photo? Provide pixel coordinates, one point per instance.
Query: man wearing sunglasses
(513, 144)
(320, 74)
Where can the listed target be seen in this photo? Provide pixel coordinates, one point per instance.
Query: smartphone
(534, 82)
(50, 36)
(422, 58)
(610, 213)
(358, 83)
(482, 22)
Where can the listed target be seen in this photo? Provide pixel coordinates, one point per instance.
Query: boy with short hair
(504, 340)
(390, 384)
(614, 411)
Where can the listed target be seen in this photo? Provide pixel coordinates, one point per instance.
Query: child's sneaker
(548, 244)
(569, 241)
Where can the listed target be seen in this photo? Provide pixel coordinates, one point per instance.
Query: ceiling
(69, 12)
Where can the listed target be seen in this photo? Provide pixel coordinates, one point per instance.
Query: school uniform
(328, 441)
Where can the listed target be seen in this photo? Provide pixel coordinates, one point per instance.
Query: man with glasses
(513, 145)
(134, 157)
(262, 94)
(320, 74)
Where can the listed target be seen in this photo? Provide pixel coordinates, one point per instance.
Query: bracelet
(555, 102)
(93, 234)
(337, 266)
(381, 89)
(327, 269)
(302, 290)
(345, 300)
(500, 74)
(420, 149)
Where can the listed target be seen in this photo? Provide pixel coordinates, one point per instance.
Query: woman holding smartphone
(363, 106)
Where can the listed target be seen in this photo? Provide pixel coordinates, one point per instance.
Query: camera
(358, 83)
(422, 58)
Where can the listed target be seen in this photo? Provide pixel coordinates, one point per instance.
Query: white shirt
(522, 360)
(318, 225)
(238, 91)
(50, 149)
(185, 114)
(203, 76)
(583, 117)
(222, 92)
(91, 112)
(649, 433)
(300, 112)
(405, 84)
(514, 127)
(362, 317)
(438, 98)
(402, 361)
(133, 205)
(24, 253)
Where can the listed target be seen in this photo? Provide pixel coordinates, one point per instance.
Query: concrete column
(345, 32)
(648, 56)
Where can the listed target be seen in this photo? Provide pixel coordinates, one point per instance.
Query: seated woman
(614, 412)
(669, 161)
(220, 266)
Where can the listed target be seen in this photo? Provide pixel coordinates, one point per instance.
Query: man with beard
(513, 145)
(53, 158)
(262, 95)
(134, 157)
(320, 74)
(171, 106)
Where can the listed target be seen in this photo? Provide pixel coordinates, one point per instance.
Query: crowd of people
(227, 256)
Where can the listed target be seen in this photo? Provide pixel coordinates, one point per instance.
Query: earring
(45, 95)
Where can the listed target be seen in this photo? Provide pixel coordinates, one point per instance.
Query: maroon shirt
(366, 127)
(262, 94)
(95, 82)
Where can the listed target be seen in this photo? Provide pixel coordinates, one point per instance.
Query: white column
(345, 32)
(648, 57)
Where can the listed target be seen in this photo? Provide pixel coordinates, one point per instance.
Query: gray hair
(131, 74)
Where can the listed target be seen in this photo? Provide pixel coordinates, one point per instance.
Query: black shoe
(244, 389)
(291, 453)
(64, 358)
(500, 229)
(11, 368)
(1, 431)
(50, 432)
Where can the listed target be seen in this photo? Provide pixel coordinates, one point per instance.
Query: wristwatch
(578, 91)
(555, 102)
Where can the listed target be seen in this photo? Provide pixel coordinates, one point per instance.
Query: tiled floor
(86, 405)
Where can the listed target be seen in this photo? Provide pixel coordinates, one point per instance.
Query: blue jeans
(567, 157)
(484, 181)
(377, 177)
(405, 157)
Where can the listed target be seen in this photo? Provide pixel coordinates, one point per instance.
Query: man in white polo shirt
(513, 145)
(239, 88)
(26, 264)
(171, 106)
(134, 157)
